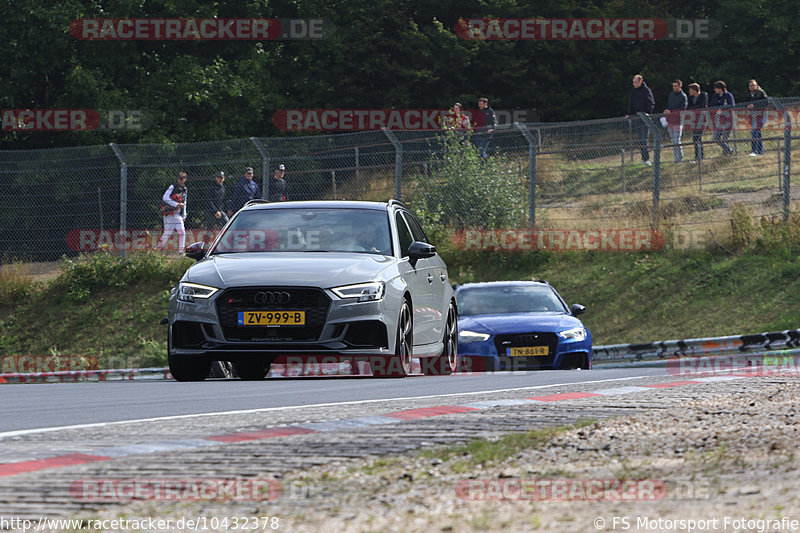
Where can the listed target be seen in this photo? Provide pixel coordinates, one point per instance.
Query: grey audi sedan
(328, 281)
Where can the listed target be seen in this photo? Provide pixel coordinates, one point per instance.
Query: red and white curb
(115, 452)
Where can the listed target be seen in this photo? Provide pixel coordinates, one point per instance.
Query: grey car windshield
(504, 300)
(307, 230)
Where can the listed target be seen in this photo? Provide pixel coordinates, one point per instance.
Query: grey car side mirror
(420, 250)
(196, 250)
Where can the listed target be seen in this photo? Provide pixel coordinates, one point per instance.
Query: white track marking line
(20, 432)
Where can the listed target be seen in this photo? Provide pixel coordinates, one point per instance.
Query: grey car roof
(335, 204)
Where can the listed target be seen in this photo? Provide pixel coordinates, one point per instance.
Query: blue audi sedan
(519, 325)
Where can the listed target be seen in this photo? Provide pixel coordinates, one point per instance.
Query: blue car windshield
(500, 300)
(307, 230)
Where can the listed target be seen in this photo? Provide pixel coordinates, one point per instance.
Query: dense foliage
(382, 54)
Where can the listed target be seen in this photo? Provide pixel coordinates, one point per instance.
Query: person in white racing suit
(173, 208)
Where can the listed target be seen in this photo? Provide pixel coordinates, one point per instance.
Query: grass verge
(101, 305)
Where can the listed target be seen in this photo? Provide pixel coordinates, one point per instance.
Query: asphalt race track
(50, 405)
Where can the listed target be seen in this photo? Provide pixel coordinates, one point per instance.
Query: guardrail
(766, 343)
(697, 347)
(126, 374)
(66, 376)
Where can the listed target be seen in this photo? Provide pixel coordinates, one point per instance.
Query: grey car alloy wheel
(399, 365)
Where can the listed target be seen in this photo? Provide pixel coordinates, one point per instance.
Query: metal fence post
(700, 174)
(357, 162)
(780, 166)
(787, 162)
(123, 187)
(787, 156)
(652, 127)
(264, 166)
(398, 163)
(623, 170)
(531, 172)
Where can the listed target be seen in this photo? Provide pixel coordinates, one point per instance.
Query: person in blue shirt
(722, 123)
(245, 190)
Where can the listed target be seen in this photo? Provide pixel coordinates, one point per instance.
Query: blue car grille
(314, 302)
(502, 342)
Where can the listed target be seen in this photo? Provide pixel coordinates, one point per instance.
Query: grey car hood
(315, 269)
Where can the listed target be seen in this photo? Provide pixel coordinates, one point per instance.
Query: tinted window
(404, 235)
(307, 230)
(508, 299)
(416, 229)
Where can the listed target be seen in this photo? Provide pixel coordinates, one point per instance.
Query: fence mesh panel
(552, 176)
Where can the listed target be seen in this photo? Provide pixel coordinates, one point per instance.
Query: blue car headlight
(577, 334)
(466, 336)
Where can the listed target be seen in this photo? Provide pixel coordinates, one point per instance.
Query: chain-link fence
(610, 174)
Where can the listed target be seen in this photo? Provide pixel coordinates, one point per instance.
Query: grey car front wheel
(399, 365)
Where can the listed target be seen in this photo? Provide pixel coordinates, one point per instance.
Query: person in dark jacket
(676, 102)
(697, 100)
(277, 185)
(722, 99)
(484, 135)
(756, 100)
(216, 214)
(641, 101)
(247, 189)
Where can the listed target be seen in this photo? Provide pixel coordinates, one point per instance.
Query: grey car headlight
(468, 336)
(365, 292)
(190, 292)
(577, 334)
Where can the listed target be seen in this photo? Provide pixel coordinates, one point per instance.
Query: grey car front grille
(313, 301)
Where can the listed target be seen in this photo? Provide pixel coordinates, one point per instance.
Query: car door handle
(430, 278)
